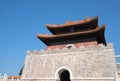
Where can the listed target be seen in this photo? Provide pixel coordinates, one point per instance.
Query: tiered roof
(74, 32)
(77, 25)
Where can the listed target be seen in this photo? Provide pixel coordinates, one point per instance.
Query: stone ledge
(81, 48)
(74, 78)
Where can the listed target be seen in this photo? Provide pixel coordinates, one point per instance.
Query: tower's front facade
(75, 51)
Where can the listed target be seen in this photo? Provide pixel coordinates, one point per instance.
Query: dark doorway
(64, 75)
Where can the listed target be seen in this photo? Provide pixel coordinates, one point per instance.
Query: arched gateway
(63, 74)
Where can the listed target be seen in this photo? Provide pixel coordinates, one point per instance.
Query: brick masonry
(86, 63)
(94, 43)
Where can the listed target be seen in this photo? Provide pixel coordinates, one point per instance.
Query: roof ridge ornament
(68, 22)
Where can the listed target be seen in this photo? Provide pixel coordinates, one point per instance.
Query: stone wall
(90, 63)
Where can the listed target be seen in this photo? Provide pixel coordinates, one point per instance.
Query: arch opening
(64, 75)
(69, 46)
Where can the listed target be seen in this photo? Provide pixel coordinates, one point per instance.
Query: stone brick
(90, 62)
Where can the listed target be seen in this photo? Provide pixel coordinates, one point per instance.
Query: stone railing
(3, 77)
(73, 49)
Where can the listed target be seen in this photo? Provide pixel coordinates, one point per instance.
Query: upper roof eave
(81, 22)
(69, 34)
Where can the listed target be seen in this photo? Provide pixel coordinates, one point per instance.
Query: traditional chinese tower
(76, 51)
(78, 33)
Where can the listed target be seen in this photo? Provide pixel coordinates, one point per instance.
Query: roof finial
(87, 18)
(68, 22)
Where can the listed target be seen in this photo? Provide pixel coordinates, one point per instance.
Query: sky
(21, 20)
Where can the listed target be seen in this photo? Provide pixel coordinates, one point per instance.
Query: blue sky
(21, 20)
